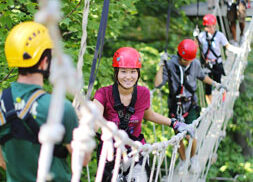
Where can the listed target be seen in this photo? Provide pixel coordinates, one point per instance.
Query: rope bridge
(211, 124)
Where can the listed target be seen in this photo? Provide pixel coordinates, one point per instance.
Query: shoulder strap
(209, 41)
(18, 128)
(183, 81)
(30, 101)
(2, 118)
(186, 84)
(119, 107)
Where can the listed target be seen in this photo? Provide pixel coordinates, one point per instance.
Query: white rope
(82, 46)
(82, 143)
(53, 131)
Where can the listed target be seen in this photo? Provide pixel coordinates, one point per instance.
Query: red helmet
(209, 19)
(187, 49)
(126, 57)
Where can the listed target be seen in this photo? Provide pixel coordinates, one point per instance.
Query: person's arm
(159, 76)
(234, 49)
(157, 118)
(208, 80)
(217, 85)
(2, 162)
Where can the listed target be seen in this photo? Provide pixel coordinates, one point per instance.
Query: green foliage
(231, 162)
(140, 24)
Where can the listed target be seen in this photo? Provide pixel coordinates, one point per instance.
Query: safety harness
(22, 124)
(210, 48)
(125, 113)
(180, 98)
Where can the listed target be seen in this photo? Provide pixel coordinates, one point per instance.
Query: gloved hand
(196, 32)
(234, 49)
(219, 86)
(164, 57)
(180, 127)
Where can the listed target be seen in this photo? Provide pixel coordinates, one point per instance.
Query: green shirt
(21, 156)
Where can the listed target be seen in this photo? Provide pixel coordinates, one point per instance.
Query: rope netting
(211, 124)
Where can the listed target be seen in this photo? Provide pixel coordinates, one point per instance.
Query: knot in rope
(51, 133)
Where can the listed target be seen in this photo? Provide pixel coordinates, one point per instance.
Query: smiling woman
(126, 104)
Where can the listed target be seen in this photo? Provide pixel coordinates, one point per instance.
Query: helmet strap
(46, 72)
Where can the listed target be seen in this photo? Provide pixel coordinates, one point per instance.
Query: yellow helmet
(25, 44)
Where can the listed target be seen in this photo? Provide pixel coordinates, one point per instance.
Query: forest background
(140, 24)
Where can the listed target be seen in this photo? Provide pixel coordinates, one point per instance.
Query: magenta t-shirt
(105, 97)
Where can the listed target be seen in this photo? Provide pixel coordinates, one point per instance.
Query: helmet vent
(26, 56)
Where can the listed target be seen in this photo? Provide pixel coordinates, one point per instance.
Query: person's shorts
(233, 13)
(194, 113)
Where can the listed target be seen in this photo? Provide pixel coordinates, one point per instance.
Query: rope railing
(211, 124)
(62, 80)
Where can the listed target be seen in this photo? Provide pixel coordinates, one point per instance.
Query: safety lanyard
(99, 47)
(181, 91)
(183, 84)
(124, 113)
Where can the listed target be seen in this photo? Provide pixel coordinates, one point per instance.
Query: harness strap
(210, 48)
(18, 129)
(183, 81)
(2, 118)
(29, 103)
(120, 108)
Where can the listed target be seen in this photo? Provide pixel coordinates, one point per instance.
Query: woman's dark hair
(34, 69)
(179, 55)
(116, 71)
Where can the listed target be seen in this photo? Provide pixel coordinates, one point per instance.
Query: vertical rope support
(53, 122)
(153, 165)
(83, 142)
(161, 156)
(117, 165)
(163, 134)
(172, 161)
(52, 131)
(151, 99)
(83, 44)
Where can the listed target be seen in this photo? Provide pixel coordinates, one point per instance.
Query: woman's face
(127, 77)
